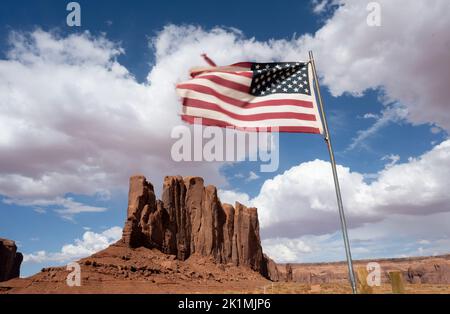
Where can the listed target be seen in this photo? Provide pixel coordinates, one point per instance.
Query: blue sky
(73, 146)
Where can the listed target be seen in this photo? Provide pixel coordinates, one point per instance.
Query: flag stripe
(198, 97)
(229, 76)
(243, 65)
(241, 96)
(212, 114)
(214, 122)
(225, 83)
(249, 117)
(187, 90)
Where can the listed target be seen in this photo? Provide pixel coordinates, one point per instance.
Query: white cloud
(407, 56)
(370, 116)
(394, 236)
(322, 6)
(75, 120)
(65, 207)
(392, 160)
(285, 250)
(391, 114)
(90, 243)
(252, 176)
(302, 201)
(230, 197)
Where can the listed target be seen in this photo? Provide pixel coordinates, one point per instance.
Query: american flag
(254, 96)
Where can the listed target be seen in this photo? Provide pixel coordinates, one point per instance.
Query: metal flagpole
(335, 177)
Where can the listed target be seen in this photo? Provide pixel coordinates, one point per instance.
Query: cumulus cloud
(73, 119)
(302, 201)
(89, 244)
(407, 56)
(230, 197)
(394, 236)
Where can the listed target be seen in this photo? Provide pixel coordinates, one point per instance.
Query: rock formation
(429, 273)
(190, 219)
(10, 260)
(415, 270)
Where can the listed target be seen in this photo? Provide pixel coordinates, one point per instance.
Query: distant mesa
(190, 219)
(10, 260)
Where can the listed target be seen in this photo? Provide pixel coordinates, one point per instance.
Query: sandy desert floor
(119, 269)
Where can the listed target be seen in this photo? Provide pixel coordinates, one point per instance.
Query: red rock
(271, 269)
(10, 260)
(190, 219)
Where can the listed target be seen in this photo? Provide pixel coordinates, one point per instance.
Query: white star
(274, 90)
(287, 65)
(267, 66)
(290, 86)
(296, 89)
(257, 79)
(257, 66)
(278, 66)
(294, 81)
(301, 85)
(304, 74)
(253, 90)
(285, 89)
(306, 90)
(259, 71)
(263, 92)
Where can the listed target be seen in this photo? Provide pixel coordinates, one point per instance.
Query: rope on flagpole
(335, 177)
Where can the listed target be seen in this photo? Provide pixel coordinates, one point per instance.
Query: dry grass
(337, 288)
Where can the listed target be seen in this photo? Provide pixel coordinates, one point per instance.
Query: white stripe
(230, 77)
(240, 96)
(248, 111)
(211, 114)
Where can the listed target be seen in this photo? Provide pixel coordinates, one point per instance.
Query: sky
(83, 108)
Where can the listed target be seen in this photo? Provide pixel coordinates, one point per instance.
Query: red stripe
(213, 122)
(253, 117)
(244, 104)
(243, 64)
(227, 83)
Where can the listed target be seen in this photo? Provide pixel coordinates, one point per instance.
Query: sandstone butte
(10, 260)
(190, 219)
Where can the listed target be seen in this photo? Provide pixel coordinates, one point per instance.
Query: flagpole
(335, 177)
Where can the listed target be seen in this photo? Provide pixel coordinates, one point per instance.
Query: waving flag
(253, 95)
